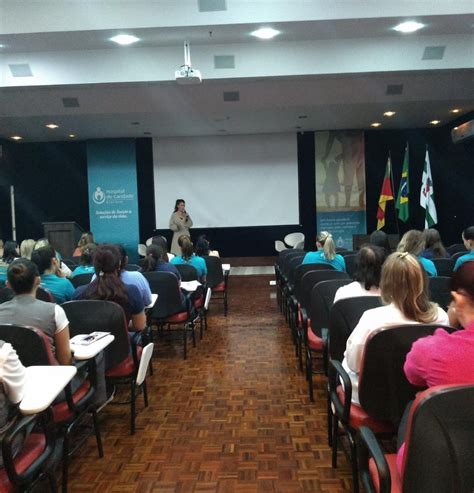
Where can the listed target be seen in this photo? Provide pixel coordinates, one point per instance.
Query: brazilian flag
(403, 190)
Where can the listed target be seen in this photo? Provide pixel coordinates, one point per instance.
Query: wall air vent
(231, 96)
(434, 53)
(394, 89)
(70, 102)
(20, 70)
(211, 5)
(224, 61)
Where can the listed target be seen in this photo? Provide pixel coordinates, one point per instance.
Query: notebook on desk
(87, 339)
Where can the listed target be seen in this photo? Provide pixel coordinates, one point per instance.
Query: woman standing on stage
(180, 223)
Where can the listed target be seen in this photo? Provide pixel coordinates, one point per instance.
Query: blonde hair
(326, 241)
(85, 239)
(405, 284)
(42, 242)
(412, 242)
(26, 248)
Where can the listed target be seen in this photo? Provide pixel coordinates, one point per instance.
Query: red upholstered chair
(439, 451)
(383, 388)
(44, 295)
(34, 348)
(217, 281)
(169, 310)
(123, 356)
(23, 469)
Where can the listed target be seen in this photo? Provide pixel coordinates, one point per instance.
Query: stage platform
(250, 266)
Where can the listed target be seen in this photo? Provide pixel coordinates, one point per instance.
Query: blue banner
(342, 225)
(113, 201)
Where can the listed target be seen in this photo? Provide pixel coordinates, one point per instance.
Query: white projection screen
(228, 181)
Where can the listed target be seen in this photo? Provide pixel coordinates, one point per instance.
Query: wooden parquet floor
(233, 417)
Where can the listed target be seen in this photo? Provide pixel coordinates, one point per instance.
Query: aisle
(233, 417)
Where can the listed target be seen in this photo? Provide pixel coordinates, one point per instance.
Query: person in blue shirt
(468, 239)
(188, 257)
(50, 273)
(87, 264)
(156, 260)
(434, 247)
(413, 242)
(326, 253)
(10, 253)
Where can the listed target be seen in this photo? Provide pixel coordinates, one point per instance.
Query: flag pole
(392, 182)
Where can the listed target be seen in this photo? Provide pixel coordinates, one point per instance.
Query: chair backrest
(132, 267)
(292, 239)
(283, 254)
(280, 246)
(294, 263)
(86, 316)
(440, 436)
(166, 286)
(215, 275)
(147, 353)
(440, 290)
(286, 259)
(300, 272)
(81, 279)
(149, 241)
(311, 279)
(456, 255)
(322, 299)
(187, 272)
(32, 345)
(44, 295)
(384, 391)
(72, 264)
(456, 248)
(351, 264)
(141, 249)
(444, 266)
(343, 317)
(208, 298)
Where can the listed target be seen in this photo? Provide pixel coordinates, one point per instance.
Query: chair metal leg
(185, 336)
(329, 411)
(65, 462)
(355, 469)
(132, 406)
(145, 393)
(98, 438)
(225, 303)
(193, 334)
(309, 374)
(335, 428)
(52, 482)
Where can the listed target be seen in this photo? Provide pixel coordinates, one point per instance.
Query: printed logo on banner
(98, 196)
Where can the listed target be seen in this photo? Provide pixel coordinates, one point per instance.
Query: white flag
(427, 194)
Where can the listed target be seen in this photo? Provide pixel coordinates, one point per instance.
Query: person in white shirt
(367, 278)
(12, 373)
(404, 286)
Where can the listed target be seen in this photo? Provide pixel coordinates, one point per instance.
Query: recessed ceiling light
(375, 124)
(16, 137)
(455, 128)
(455, 110)
(389, 113)
(134, 123)
(71, 136)
(408, 27)
(302, 117)
(435, 122)
(52, 126)
(124, 39)
(265, 33)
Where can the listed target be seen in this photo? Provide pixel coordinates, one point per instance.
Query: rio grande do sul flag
(427, 194)
(386, 194)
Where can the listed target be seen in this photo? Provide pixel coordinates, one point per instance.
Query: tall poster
(113, 201)
(340, 185)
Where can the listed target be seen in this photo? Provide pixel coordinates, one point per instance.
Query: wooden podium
(63, 236)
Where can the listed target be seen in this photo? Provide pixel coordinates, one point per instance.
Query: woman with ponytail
(108, 286)
(188, 257)
(404, 288)
(326, 253)
(156, 260)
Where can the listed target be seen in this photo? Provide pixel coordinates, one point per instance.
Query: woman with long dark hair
(108, 286)
(434, 247)
(180, 223)
(156, 260)
(188, 257)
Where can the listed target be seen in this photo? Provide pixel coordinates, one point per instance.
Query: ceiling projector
(187, 75)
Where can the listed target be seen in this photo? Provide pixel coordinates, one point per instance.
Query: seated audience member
(156, 260)
(189, 258)
(51, 276)
(445, 359)
(379, 238)
(25, 309)
(85, 240)
(26, 248)
(326, 253)
(367, 277)
(404, 288)
(109, 286)
(413, 242)
(434, 247)
(44, 242)
(10, 253)
(468, 239)
(202, 248)
(87, 263)
(161, 242)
